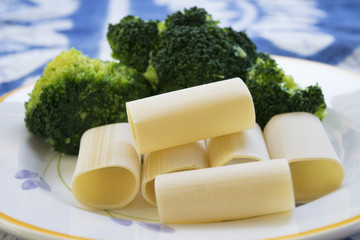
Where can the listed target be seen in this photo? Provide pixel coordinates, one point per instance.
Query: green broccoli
(190, 49)
(132, 40)
(193, 50)
(76, 93)
(192, 17)
(274, 92)
(245, 47)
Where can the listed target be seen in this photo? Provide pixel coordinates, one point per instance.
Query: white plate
(36, 201)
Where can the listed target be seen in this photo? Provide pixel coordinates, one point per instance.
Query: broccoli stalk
(76, 93)
(274, 92)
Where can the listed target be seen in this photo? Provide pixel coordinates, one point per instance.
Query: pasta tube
(190, 115)
(225, 193)
(301, 138)
(107, 173)
(240, 147)
(184, 157)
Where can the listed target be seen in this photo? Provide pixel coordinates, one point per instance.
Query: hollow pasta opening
(313, 178)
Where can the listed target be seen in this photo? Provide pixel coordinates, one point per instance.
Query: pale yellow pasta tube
(184, 157)
(107, 173)
(190, 115)
(240, 147)
(225, 193)
(301, 138)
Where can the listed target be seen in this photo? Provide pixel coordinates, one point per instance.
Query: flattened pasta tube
(107, 173)
(190, 115)
(225, 193)
(301, 138)
(240, 147)
(184, 157)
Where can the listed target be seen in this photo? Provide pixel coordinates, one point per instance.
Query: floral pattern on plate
(32, 180)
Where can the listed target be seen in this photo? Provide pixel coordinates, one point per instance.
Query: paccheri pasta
(189, 156)
(301, 139)
(201, 129)
(107, 173)
(239, 147)
(190, 115)
(225, 193)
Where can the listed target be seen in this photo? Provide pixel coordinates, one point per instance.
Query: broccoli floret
(194, 17)
(76, 93)
(244, 45)
(185, 50)
(274, 92)
(132, 40)
(191, 54)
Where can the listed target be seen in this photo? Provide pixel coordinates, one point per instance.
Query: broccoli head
(188, 48)
(244, 46)
(194, 17)
(196, 52)
(189, 56)
(274, 92)
(76, 93)
(132, 40)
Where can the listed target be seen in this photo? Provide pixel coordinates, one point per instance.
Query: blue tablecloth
(33, 32)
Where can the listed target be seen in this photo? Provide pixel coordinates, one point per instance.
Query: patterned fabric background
(33, 32)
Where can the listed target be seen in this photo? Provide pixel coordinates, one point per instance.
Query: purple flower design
(32, 180)
(42, 184)
(157, 227)
(28, 184)
(26, 174)
(122, 222)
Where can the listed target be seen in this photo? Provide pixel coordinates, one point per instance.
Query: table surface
(33, 32)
